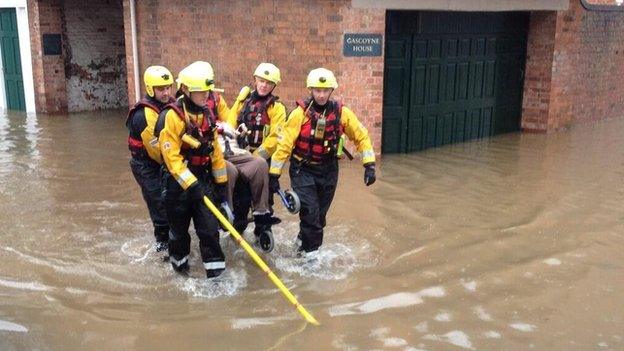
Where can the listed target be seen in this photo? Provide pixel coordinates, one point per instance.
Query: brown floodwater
(511, 243)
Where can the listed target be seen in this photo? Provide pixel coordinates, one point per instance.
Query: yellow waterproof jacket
(277, 115)
(150, 142)
(171, 145)
(353, 128)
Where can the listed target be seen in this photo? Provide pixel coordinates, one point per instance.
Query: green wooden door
(396, 93)
(462, 74)
(11, 63)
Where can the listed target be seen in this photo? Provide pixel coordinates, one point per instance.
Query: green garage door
(451, 77)
(11, 63)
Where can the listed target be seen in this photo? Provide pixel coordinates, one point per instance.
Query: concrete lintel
(595, 7)
(465, 5)
(13, 3)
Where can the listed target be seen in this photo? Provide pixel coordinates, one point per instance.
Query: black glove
(274, 185)
(242, 140)
(205, 148)
(195, 192)
(220, 192)
(194, 132)
(369, 174)
(228, 149)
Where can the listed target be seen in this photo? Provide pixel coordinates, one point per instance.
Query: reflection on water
(510, 243)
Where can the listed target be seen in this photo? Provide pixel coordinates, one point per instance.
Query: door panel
(13, 81)
(396, 93)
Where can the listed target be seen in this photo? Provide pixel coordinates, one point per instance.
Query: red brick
(297, 37)
(574, 53)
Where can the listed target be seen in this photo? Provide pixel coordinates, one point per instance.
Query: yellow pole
(250, 251)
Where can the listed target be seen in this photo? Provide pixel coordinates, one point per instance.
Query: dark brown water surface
(510, 243)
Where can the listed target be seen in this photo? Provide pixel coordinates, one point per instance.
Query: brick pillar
(132, 98)
(574, 69)
(36, 54)
(588, 66)
(45, 17)
(361, 78)
(538, 76)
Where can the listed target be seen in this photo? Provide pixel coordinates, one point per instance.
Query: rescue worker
(312, 135)
(257, 114)
(195, 168)
(146, 159)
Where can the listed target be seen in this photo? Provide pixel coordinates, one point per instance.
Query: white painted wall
(21, 10)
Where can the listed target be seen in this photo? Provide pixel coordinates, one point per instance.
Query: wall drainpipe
(135, 51)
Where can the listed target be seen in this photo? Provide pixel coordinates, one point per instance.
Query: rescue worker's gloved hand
(194, 132)
(195, 192)
(221, 192)
(274, 185)
(369, 174)
(242, 141)
(228, 149)
(205, 148)
(241, 138)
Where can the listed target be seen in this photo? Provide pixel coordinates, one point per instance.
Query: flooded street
(510, 243)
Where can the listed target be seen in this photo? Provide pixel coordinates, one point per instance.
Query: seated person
(248, 185)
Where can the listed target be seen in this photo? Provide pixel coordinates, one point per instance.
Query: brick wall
(537, 81)
(234, 36)
(588, 66)
(582, 82)
(95, 65)
(362, 77)
(44, 17)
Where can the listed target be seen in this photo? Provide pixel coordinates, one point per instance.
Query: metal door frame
(23, 32)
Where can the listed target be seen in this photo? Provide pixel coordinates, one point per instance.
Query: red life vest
(136, 147)
(311, 149)
(204, 133)
(255, 117)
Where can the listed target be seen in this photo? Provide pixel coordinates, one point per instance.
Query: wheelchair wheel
(265, 239)
(294, 204)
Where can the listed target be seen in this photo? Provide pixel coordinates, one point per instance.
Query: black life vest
(255, 117)
(136, 147)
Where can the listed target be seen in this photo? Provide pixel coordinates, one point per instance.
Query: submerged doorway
(451, 77)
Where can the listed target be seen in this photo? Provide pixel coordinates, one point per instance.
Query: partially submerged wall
(95, 65)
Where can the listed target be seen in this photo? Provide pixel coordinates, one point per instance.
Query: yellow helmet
(156, 76)
(269, 72)
(321, 78)
(198, 76)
